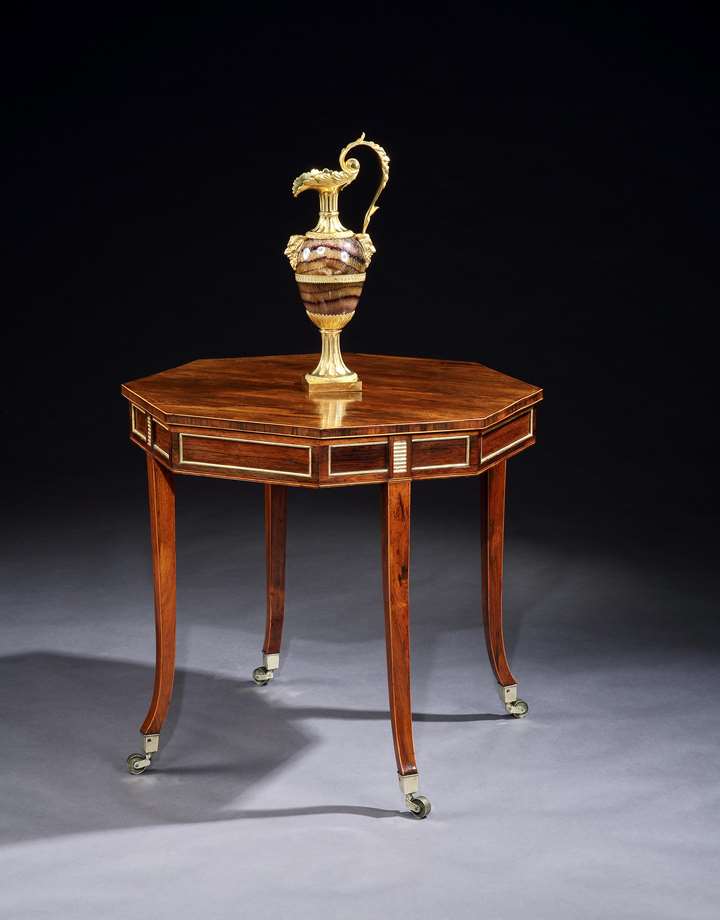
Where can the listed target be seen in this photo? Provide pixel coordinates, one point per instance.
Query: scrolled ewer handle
(384, 167)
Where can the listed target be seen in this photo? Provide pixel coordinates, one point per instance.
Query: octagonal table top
(267, 394)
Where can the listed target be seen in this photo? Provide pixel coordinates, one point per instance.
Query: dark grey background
(551, 212)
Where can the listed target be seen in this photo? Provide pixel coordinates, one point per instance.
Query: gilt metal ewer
(330, 263)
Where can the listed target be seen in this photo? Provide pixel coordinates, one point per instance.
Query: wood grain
(358, 458)
(395, 566)
(275, 543)
(244, 454)
(505, 436)
(138, 422)
(266, 394)
(162, 438)
(219, 411)
(442, 452)
(161, 492)
(492, 492)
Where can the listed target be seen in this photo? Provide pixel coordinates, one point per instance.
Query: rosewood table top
(213, 417)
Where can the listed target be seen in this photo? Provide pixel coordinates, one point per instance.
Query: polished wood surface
(161, 440)
(244, 455)
(275, 543)
(513, 432)
(266, 395)
(492, 503)
(252, 419)
(443, 452)
(358, 459)
(440, 418)
(161, 495)
(395, 542)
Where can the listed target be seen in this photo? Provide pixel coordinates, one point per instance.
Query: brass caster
(419, 805)
(518, 709)
(138, 763)
(514, 707)
(266, 671)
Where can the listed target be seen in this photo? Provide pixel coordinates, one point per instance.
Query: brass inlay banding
(443, 466)
(248, 469)
(146, 435)
(152, 442)
(140, 434)
(502, 450)
(462, 423)
(353, 472)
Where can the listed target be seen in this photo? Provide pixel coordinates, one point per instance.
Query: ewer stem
(331, 369)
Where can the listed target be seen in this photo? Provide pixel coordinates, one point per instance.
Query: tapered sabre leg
(395, 565)
(492, 485)
(275, 543)
(161, 495)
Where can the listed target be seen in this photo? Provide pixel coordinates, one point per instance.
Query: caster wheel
(136, 764)
(419, 805)
(517, 709)
(262, 676)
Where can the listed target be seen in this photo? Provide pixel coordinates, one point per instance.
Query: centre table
(252, 419)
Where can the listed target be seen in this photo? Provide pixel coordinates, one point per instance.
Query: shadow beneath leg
(68, 727)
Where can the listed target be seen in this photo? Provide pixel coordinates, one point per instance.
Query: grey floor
(283, 802)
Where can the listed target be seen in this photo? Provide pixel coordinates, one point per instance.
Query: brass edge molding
(353, 472)
(463, 424)
(249, 469)
(141, 434)
(446, 466)
(514, 443)
(333, 436)
(156, 446)
(510, 413)
(330, 279)
(126, 390)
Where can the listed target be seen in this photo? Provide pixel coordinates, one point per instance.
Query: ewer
(330, 263)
